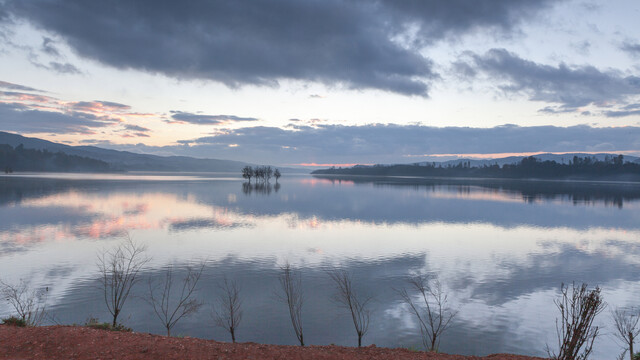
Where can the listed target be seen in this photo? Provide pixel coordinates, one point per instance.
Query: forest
(529, 167)
(21, 159)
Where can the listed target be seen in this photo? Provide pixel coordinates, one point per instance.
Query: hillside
(124, 160)
(21, 159)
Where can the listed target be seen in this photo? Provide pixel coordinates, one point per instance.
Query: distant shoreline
(634, 181)
(580, 169)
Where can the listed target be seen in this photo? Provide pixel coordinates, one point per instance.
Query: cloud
(133, 131)
(48, 47)
(99, 106)
(20, 96)
(35, 113)
(569, 86)
(23, 119)
(358, 44)
(379, 143)
(444, 19)
(631, 48)
(136, 128)
(202, 119)
(63, 68)
(11, 86)
(621, 113)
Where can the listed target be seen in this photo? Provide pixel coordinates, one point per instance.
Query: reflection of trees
(259, 188)
(577, 192)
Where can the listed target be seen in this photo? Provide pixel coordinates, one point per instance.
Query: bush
(14, 321)
(636, 356)
(96, 324)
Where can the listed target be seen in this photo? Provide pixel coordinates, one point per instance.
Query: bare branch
(228, 313)
(291, 286)
(119, 268)
(626, 327)
(431, 308)
(171, 306)
(28, 303)
(347, 297)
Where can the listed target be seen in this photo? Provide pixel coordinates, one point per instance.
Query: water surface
(501, 248)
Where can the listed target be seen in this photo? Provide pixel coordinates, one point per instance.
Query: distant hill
(128, 161)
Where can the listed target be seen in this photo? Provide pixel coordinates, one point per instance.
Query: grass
(14, 321)
(96, 324)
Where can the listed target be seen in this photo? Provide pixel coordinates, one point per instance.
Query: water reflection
(531, 191)
(502, 250)
(260, 188)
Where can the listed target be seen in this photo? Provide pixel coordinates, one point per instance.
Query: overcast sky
(324, 82)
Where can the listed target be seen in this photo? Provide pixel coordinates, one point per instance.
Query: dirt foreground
(75, 342)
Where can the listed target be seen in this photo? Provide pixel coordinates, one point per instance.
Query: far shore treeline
(21, 159)
(612, 167)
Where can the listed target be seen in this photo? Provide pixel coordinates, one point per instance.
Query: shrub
(14, 321)
(96, 324)
(636, 356)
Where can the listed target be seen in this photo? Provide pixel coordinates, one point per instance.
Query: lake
(500, 248)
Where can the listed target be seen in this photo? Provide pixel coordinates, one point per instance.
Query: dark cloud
(48, 47)
(621, 113)
(134, 131)
(136, 128)
(569, 86)
(24, 119)
(555, 110)
(631, 48)
(377, 143)
(351, 44)
(63, 68)
(444, 19)
(202, 119)
(11, 86)
(58, 67)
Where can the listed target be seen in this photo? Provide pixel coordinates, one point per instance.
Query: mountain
(128, 161)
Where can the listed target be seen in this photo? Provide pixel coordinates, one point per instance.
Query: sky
(324, 82)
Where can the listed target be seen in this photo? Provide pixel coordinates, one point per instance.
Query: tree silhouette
(247, 173)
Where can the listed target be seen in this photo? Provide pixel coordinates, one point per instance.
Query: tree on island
(247, 173)
(262, 173)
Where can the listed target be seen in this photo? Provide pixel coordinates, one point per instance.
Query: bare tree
(247, 173)
(578, 307)
(29, 304)
(170, 305)
(119, 268)
(291, 286)
(228, 313)
(627, 328)
(347, 297)
(431, 308)
(277, 175)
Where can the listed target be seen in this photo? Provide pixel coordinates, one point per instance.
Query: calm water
(501, 249)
